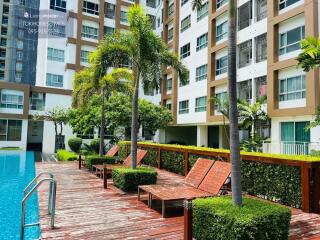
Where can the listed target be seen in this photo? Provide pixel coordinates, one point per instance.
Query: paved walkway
(86, 211)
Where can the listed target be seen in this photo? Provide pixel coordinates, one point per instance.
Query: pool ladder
(29, 190)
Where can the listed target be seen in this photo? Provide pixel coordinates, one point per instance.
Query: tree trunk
(134, 124)
(102, 126)
(233, 110)
(225, 128)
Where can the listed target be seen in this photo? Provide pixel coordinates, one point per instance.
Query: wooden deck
(87, 211)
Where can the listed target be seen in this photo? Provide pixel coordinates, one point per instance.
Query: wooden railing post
(105, 177)
(159, 158)
(80, 161)
(186, 163)
(315, 200)
(187, 204)
(305, 187)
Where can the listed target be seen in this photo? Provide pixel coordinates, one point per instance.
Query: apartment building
(268, 36)
(43, 44)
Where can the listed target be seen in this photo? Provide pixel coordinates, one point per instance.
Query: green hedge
(128, 179)
(96, 159)
(95, 145)
(279, 183)
(256, 220)
(75, 144)
(64, 155)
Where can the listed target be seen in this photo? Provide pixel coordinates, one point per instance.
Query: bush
(254, 221)
(64, 155)
(128, 179)
(75, 144)
(95, 144)
(96, 159)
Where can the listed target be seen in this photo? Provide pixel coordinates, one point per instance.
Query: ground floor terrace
(85, 210)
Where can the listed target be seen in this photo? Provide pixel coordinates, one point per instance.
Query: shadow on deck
(87, 211)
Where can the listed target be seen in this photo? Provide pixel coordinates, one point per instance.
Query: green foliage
(64, 155)
(279, 183)
(315, 122)
(128, 179)
(10, 148)
(122, 153)
(216, 218)
(95, 144)
(310, 57)
(75, 144)
(96, 159)
(252, 144)
(151, 159)
(315, 153)
(172, 161)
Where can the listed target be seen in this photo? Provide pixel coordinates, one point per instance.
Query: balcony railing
(292, 148)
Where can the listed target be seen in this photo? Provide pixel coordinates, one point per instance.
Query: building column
(202, 136)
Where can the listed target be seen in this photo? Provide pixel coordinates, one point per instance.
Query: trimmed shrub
(64, 155)
(255, 220)
(95, 144)
(96, 159)
(151, 159)
(75, 144)
(172, 161)
(128, 179)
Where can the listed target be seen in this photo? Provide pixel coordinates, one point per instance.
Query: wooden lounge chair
(111, 153)
(126, 163)
(204, 180)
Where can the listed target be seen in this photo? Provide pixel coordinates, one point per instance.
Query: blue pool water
(17, 169)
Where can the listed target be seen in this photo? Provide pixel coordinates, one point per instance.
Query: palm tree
(87, 84)
(147, 53)
(310, 56)
(233, 111)
(222, 106)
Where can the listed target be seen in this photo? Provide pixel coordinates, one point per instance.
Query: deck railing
(292, 148)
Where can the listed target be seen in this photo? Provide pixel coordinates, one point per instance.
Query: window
(183, 2)
(5, 20)
(159, 21)
(2, 64)
(203, 12)
(1, 75)
(245, 53)
(89, 32)
(184, 107)
(169, 84)
(123, 16)
(108, 30)
(10, 130)
(222, 31)
(202, 41)
(261, 48)
(89, 7)
(84, 56)
(221, 65)
(170, 9)
(110, 10)
(55, 55)
(261, 86)
(37, 101)
(11, 100)
(169, 106)
(56, 30)
(245, 15)
(201, 104)
(220, 3)
(244, 90)
(18, 77)
(290, 41)
(3, 42)
(170, 34)
(87, 135)
(221, 98)
(201, 73)
(181, 84)
(54, 80)
(261, 8)
(59, 5)
(152, 21)
(19, 55)
(151, 3)
(19, 66)
(185, 23)
(185, 51)
(293, 88)
(286, 3)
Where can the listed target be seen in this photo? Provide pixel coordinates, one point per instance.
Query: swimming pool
(17, 169)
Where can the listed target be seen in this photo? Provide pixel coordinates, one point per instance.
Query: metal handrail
(50, 188)
(52, 202)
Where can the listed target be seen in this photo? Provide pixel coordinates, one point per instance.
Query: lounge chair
(126, 163)
(205, 179)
